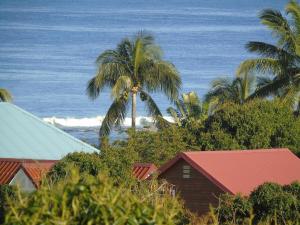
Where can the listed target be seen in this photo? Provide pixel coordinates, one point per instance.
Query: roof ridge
(50, 126)
(266, 150)
(22, 160)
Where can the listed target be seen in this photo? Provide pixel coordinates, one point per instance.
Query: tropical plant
(5, 95)
(256, 124)
(280, 60)
(226, 90)
(134, 68)
(88, 163)
(94, 200)
(188, 108)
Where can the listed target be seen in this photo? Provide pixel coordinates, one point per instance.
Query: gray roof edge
(51, 126)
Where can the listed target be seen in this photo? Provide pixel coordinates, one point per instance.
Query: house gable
(197, 191)
(22, 180)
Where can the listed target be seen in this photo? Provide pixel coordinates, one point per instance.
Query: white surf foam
(97, 121)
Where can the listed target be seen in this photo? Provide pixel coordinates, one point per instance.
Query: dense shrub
(153, 146)
(118, 160)
(6, 191)
(256, 124)
(233, 209)
(293, 188)
(90, 200)
(271, 202)
(89, 163)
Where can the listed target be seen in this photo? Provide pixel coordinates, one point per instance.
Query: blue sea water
(48, 48)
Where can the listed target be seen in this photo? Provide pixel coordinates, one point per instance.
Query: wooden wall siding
(197, 191)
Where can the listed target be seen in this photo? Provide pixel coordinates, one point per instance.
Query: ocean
(48, 49)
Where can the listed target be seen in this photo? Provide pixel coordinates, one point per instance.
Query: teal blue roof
(23, 135)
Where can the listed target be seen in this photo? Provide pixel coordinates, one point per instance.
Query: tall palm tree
(134, 68)
(235, 90)
(187, 108)
(5, 95)
(281, 60)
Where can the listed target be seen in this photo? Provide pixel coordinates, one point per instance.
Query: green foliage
(6, 191)
(271, 202)
(94, 200)
(282, 59)
(236, 90)
(233, 209)
(256, 124)
(89, 163)
(118, 160)
(188, 108)
(156, 147)
(294, 189)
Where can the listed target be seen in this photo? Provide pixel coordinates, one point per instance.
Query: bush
(152, 146)
(256, 124)
(233, 209)
(90, 200)
(118, 160)
(271, 202)
(294, 189)
(6, 191)
(89, 163)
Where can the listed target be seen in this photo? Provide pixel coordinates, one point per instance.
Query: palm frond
(107, 75)
(293, 9)
(192, 104)
(163, 76)
(5, 95)
(114, 116)
(270, 88)
(268, 50)
(261, 65)
(123, 83)
(181, 108)
(280, 28)
(175, 115)
(263, 80)
(152, 108)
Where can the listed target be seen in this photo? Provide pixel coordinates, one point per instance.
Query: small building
(25, 173)
(200, 177)
(25, 136)
(29, 146)
(142, 171)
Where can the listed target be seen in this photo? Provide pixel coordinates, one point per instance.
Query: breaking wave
(97, 121)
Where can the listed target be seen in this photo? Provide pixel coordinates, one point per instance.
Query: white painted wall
(23, 181)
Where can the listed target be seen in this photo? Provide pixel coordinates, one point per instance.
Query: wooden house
(200, 177)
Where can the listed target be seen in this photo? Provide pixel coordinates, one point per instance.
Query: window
(186, 171)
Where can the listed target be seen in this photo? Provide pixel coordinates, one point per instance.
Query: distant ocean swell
(97, 121)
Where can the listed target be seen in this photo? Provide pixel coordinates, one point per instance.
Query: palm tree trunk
(133, 110)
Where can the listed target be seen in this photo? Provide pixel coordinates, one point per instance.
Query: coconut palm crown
(5, 95)
(282, 60)
(189, 107)
(134, 68)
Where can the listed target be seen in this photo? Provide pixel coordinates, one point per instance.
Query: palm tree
(187, 108)
(5, 95)
(281, 60)
(134, 68)
(227, 90)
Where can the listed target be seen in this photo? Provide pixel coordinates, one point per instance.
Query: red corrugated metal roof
(242, 170)
(142, 171)
(34, 169)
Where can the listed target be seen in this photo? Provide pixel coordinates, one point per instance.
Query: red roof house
(200, 177)
(142, 171)
(27, 173)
